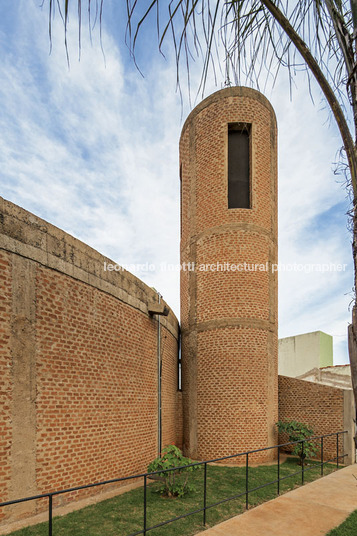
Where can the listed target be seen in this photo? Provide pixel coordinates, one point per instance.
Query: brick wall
(319, 406)
(5, 376)
(228, 319)
(79, 365)
(179, 420)
(171, 404)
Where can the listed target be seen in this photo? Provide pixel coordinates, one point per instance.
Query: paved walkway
(311, 510)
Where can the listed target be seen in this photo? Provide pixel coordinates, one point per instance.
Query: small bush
(297, 431)
(174, 483)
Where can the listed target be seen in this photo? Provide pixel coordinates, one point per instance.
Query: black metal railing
(205, 506)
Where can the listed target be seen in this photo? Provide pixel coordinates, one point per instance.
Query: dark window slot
(238, 166)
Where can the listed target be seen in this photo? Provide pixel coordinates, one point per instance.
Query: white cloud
(312, 224)
(94, 150)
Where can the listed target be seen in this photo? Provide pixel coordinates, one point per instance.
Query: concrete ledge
(24, 234)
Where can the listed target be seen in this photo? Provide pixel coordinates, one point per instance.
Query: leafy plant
(175, 482)
(298, 431)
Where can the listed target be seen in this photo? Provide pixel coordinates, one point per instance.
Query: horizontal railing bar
(288, 476)
(69, 490)
(310, 467)
(113, 481)
(225, 500)
(263, 486)
(142, 475)
(334, 459)
(251, 490)
(315, 466)
(175, 519)
(243, 453)
(262, 449)
(17, 501)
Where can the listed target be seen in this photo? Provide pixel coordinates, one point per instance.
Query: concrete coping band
(235, 91)
(29, 236)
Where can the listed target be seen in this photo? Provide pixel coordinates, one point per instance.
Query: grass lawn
(123, 515)
(347, 528)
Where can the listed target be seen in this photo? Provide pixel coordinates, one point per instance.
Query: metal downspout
(159, 418)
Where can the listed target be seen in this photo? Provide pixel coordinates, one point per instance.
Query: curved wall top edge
(234, 91)
(25, 234)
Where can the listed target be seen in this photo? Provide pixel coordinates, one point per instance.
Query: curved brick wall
(78, 358)
(228, 319)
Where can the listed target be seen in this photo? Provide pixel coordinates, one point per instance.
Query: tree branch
(324, 85)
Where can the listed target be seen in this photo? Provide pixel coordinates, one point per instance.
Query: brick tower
(228, 172)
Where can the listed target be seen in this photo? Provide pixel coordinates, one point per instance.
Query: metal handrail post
(204, 493)
(50, 515)
(145, 485)
(302, 462)
(246, 481)
(206, 505)
(278, 470)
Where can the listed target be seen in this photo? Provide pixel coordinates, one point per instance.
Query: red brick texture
(78, 347)
(228, 319)
(97, 384)
(5, 375)
(95, 363)
(319, 406)
(179, 420)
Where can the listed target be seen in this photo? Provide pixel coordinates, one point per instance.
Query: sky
(93, 149)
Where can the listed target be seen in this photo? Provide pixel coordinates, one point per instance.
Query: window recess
(239, 183)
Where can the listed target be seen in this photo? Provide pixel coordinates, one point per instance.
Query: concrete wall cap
(25, 234)
(234, 91)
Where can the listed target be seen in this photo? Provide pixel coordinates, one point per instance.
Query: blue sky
(94, 150)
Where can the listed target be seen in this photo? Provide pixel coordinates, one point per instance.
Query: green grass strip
(123, 515)
(347, 528)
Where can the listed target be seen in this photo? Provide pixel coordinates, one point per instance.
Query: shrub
(174, 483)
(296, 432)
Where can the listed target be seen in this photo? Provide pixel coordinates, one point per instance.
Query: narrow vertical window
(179, 364)
(239, 166)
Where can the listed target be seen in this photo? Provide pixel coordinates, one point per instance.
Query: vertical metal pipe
(145, 484)
(337, 454)
(302, 463)
(159, 416)
(278, 471)
(246, 481)
(322, 456)
(204, 494)
(50, 515)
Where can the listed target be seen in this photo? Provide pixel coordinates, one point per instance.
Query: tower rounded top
(234, 91)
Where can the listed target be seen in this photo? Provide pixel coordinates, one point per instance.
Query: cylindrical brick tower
(228, 172)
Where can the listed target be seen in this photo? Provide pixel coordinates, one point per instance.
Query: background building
(302, 353)
(309, 356)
